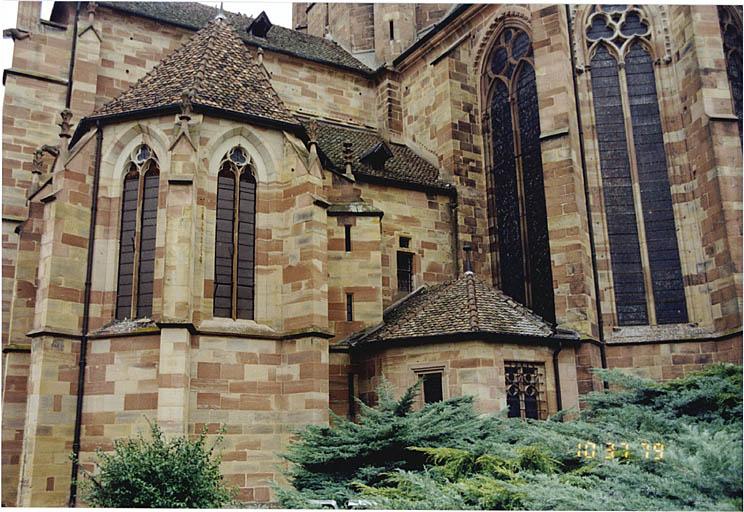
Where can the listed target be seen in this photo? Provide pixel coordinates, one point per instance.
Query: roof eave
(487, 336)
(173, 108)
(409, 185)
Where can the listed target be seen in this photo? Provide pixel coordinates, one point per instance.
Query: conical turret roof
(466, 305)
(215, 70)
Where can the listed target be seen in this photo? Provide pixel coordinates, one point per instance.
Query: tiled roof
(465, 305)
(215, 67)
(194, 16)
(404, 166)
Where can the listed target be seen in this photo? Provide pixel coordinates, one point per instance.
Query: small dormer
(260, 26)
(376, 156)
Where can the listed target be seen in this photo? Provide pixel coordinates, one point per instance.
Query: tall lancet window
(644, 255)
(235, 237)
(139, 213)
(518, 218)
(730, 20)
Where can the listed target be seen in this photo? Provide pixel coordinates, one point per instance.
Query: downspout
(595, 272)
(71, 67)
(352, 392)
(557, 374)
(86, 319)
(455, 235)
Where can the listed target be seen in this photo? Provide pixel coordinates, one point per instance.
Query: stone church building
(209, 220)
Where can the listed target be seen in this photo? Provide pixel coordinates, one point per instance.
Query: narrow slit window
(234, 251)
(349, 307)
(392, 30)
(347, 238)
(138, 229)
(405, 271)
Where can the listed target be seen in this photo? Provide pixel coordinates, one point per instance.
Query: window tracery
(517, 200)
(137, 235)
(235, 236)
(644, 254)
(731, 33)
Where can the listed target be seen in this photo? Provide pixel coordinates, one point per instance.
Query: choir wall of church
(260, 379)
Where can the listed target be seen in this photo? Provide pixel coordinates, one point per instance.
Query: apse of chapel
(274, 165)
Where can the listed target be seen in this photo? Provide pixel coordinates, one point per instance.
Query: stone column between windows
(174, 368)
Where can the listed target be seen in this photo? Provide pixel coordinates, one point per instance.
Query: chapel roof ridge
(461, 306)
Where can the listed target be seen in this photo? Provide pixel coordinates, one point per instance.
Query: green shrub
(447, 457)
(158, 473)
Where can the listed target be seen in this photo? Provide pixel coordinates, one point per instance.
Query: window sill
(233, 327)
(656, 333)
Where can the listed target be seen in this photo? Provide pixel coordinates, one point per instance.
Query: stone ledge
(33, 74)
(673, 333)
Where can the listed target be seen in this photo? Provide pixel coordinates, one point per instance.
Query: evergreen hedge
(448, 457)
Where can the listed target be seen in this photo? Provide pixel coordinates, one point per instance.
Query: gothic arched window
(235, 237)
(139, 213)
(644, 254)
(731, 33)
(520, 248)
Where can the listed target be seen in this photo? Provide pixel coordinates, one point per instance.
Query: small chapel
(211, 221)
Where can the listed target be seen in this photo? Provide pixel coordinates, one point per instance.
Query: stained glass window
(730, 22)
(521, 252)
(138, 229)
(235, 237)
(634, 170)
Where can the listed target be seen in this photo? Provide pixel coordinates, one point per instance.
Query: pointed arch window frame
(237, 165)
(730, 17)
(142, 164)
(488, 86)
(619, 52)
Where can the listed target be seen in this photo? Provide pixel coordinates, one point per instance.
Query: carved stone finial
(312, 135)
(347, 156)
(259, 55)
(221, 13)
(312, 132)
(467, 248)
(187, 106)
(38, 156)
(65, 125)
(92, 6)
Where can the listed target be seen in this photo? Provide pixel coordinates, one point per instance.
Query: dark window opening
(405, 242)
(137, 234)
(524, 390)
(732, 50)
(347, 238)
(234, 250)
(525, 384)
(405, 271)
(349, 307)
(517, 209)
(433, 391)
(392, 30)
(616, 169)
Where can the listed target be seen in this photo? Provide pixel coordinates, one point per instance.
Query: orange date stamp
(623, 451)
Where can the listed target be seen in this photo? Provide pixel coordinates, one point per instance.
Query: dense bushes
(447, 457)
(158, 473)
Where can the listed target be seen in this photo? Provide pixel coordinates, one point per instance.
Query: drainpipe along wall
(82, 362)
(595, 273)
